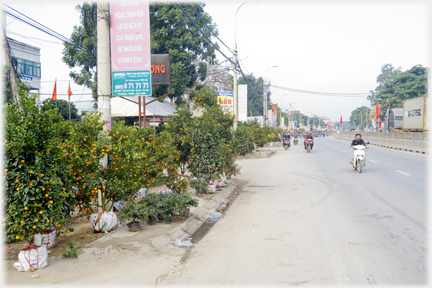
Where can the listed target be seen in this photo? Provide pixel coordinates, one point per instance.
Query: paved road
(311, 219)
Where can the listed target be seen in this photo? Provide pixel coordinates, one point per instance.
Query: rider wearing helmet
(357, 141)
(308, 136)
(286, 135)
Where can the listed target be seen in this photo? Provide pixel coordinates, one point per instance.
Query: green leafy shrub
(71, 249)
(134, 212)
(34, 192)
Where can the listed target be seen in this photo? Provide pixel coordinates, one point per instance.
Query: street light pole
(265, 114)
(235, 68)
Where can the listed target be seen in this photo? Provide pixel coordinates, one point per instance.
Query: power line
(37, 25)
(210, 29)
(327, 94)
(202, 33)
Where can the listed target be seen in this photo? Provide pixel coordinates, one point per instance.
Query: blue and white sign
(364, 127)
(131, 83)
(295, 120)
(225, 93)
(371, 127)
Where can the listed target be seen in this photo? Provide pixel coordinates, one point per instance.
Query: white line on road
(344, 150)
(403, 173)
(373, 161)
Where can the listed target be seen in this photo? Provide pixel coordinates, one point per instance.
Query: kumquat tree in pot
(136, 159)
(210, 138)
(34, 192)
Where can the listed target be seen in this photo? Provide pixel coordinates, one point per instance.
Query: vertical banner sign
(130, 49)
(242, 105)
(226, 101)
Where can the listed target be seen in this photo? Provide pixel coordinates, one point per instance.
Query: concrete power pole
(104, 66)
(103, 72)
(235, 87)
(265, 103)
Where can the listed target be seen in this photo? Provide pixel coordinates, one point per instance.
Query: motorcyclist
(308, 136)
(357, 141)
(286, 135)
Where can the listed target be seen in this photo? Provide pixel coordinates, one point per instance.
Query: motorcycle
(359, 157)
(286, 143)
(308, 145)
(295, 141)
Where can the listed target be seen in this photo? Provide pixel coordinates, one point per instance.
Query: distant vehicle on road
(393, 119)
(414, 115)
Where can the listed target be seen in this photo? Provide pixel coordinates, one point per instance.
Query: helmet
(358, 133)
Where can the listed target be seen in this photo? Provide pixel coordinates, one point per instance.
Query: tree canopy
(395, 86)
(255, 94)
(359, 116)
(63, 107)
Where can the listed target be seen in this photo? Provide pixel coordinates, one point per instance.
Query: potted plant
(135, 212)
(179, 205)
(157, 207)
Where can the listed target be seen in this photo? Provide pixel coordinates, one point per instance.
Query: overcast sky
(323, 46)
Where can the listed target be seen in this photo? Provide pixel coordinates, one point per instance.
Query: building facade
(26, 61)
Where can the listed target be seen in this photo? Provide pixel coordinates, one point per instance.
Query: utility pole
(104, 66)
(11, 73)
(265, 103)
(235, 86)
(103, 72)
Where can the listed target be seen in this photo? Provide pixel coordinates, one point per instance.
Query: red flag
(272, 107)
(69, 92)
(276, 112)
(377, 110)
(54, 96)
(341, 119)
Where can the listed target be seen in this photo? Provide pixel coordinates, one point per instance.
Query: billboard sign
(226, 101)
(242, 103)
(295, 111)
(160, 69)
(130, 49)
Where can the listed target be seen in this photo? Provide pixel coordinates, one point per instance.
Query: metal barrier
(407, 141)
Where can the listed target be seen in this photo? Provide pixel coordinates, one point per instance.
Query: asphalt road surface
(310, 219)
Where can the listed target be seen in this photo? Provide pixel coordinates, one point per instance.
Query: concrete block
(214, 204)
(202, 214)
(191, 225)
(160, 241)
(178, 233)
(145, 247)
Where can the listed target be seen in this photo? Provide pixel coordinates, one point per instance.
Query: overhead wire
(325, 94)
(33, 23)
(199, 16)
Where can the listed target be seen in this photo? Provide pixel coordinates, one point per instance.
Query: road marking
(373, 161)
(403, 173)
(344, 150)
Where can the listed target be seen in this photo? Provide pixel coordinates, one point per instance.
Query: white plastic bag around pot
(32, 259)
(103, 221)
(47, 238)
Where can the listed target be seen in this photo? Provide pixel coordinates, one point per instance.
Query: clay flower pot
(151, 221)
(134, 226)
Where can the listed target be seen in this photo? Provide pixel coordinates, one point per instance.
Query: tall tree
(83, 54)
(63, 107)
(255, 94)
(359, 116)
(171, 32)
(395, 86)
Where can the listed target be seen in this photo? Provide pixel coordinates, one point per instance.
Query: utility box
(415, 113)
